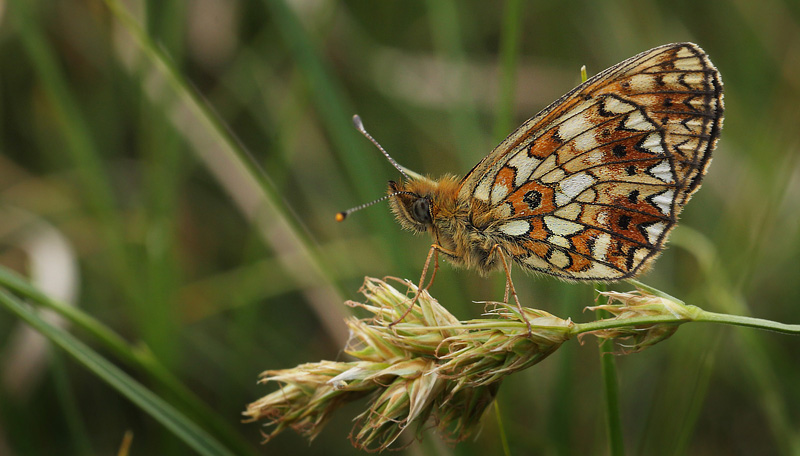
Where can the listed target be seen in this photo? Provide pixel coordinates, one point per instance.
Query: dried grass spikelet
(428, 368)
(432, 368)
(636, 304)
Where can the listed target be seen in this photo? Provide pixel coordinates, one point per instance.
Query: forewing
(590, 187)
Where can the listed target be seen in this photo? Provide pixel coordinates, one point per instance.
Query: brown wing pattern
(591, 186)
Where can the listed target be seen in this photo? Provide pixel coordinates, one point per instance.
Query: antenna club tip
(358, 123)
(340, 216)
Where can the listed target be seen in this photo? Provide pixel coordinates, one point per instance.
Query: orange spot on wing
(539, 249)
(583, 240)
(505, 177)
(522, 207)
(579, 262)
(544, 146)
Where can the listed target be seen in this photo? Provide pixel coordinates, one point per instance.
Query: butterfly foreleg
(433, 254)
(509, 283)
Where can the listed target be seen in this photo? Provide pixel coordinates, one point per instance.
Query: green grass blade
(97, 188)
(754, 354)
(80, 442)
(139, 357)
(446, 33)
(242, 177)
(164, 413)
(335, 113)
(501, 429)
(509, 55)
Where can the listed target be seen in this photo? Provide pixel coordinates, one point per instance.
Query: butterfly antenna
(342, 215)
(360, 127)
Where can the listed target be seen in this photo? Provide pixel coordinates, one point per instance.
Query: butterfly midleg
(510, 284)
(433, 253)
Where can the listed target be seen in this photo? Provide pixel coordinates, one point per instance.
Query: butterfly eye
(420, 210)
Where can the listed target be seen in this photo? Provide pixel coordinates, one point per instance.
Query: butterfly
(588, 189)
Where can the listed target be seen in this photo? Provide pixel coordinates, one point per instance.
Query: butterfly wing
(590, 187)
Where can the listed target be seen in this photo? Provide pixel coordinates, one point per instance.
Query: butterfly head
(413, 210)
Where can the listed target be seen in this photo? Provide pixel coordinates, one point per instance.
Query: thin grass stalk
(178, 423)
(248, 183)
(498, 415)
(97, 188)
(680, 445)
(608, 370)
(163, 174)
(79, 435)
(335, 110)
(331, 102)
(509, 55)
(138, 357)
(446, 33)
(721, 293)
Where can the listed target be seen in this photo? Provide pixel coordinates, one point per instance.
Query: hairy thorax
(464, 237)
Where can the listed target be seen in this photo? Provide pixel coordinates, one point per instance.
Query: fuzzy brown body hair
(467, 240)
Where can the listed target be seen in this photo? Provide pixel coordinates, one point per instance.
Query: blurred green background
(123, 190)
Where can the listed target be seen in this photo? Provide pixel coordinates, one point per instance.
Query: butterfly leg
(510, 284)
(434, 251)
(433, 254)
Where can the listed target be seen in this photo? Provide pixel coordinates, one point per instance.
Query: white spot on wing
(617, 106)
(683, 53)
(664, 201)
(573, 126)
(537, 262)
(689, 147)
(637, 121)
(602, 218)
(600, 248)
(693, 124)
(653, 144)
(639, 256)
(595, 157)
(642, 82)
(585, 142)
(559, 259)
(546, 166)
(670, 79)
(570, 211)
(654, 232)
(693, 79)
(699, 103)
(572, 186)
(562, 199)
(560, 241)
(499, 191)
(688, 64)
(483, 189)
(561, 227)
(524, 165)
(598, 271)
(515, 228)
(662, 172)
